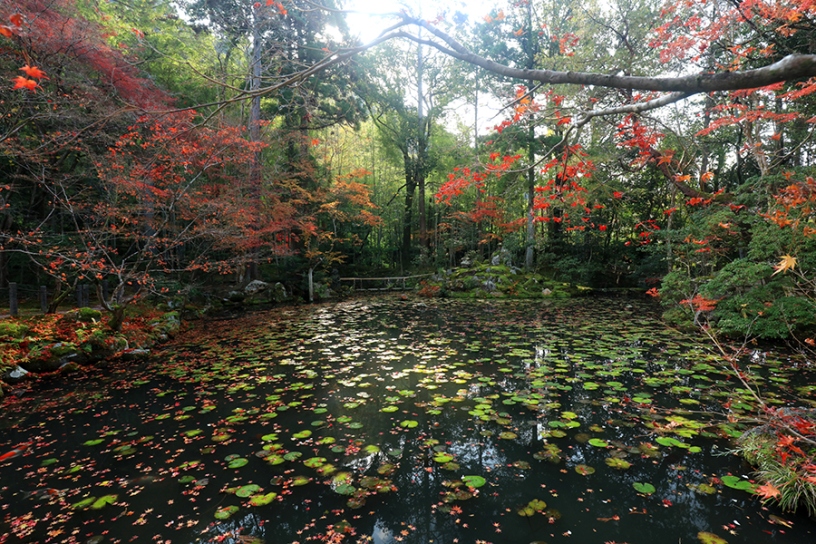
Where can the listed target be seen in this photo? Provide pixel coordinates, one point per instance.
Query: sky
(369, 23)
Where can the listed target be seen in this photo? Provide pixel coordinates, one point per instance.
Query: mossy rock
(13, 329)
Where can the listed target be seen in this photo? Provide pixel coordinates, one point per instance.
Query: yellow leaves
(786, 263)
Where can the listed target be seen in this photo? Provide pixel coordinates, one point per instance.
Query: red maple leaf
(33, 71)
(23, 83)
(767, 491)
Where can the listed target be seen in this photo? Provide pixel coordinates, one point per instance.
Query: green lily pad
(300, 480)
(262, 500)
(247, 490)
(345, 489)
(84, 503)
(735, 482)
(584, 470)
(644, 488)
(615, 462)
(94, 442)
(473, 481)
(598, 443)
(238, 463)
(315, 462)
(102, 502)
(443, 458)
(409, 424)
(302, 435)
(710, 538)
(226, 512)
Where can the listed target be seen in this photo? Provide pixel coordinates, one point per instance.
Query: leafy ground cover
(389, 420)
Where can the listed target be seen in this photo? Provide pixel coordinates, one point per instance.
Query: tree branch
(789, 68)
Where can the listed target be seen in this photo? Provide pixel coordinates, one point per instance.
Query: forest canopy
(165, 147)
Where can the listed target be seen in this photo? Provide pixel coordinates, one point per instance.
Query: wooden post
(311, 286)
(44, 298)
(13, 302)
(86, 295)
(104, 292)
(78, 296)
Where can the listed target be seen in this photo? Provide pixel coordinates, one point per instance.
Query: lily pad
(644, 488)
(409, 424)
(710, 538)
(616, 462)
(735, 482)
(102, 502)
(262, 500)
(238, 463)
(473, 481)
(247, 490)
(584, 470)
(226, 512)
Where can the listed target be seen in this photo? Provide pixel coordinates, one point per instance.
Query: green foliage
(13, 329)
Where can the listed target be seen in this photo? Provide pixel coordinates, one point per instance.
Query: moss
(13, 329)
(88, 315)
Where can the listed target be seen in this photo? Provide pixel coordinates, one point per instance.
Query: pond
(383, 420)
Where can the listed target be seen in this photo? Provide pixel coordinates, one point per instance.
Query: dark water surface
(387, 421)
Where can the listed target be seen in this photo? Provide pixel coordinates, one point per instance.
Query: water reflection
(385, 392)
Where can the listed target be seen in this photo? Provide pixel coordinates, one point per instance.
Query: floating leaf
(409, 424)
(315, 462)
(644, 488)
(94, 442)
(615, 462)
(473, 481)
(735, 482)
(443, 457)
(584, 470)
(598, 443)
(262, 500)
(84, 503)
(102, 502)
(710, 538)
(345, 489)
(247, 490)
(226, 512)
(238, 463)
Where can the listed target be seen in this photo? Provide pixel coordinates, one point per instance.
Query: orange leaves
(767, 491)
(23, 83)
(33, 72)
(700, 304)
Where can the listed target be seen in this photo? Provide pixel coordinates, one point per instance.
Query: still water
(382, 420)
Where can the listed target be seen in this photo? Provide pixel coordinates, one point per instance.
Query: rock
(16, 375)
(256, 286)
(496, 260)
(50, 358)
(489, 285)
(136, 354)
(278, 292)
(546, 292)
(465, 262)
(235, 296)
